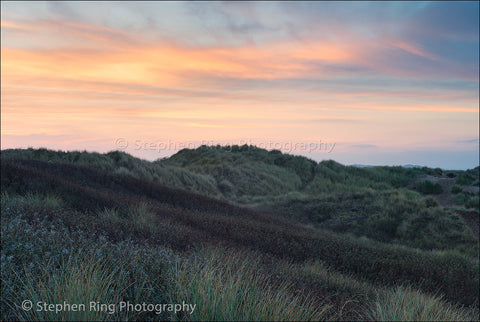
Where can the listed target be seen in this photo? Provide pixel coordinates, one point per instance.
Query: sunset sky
(357, 82)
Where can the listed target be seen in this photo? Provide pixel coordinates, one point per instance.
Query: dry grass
(407, 304)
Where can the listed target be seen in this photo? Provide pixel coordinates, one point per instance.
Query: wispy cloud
(364, 146)
(216, 69)
(469, 141)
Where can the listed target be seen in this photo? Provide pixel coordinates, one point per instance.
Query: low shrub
(465, 178)
(437, 172)
(451, 175)
(428, 187)
(462, 198)
(473, 203)
(430, 202)
(456, 189)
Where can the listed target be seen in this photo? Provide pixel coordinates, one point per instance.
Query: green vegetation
(316, 242)
(77, 280)
(332, 177)
(405, 304)
(429, 188)
(456, 189)
(246, 171)
(230, 288)
(465, 178)
(394, 216)
(466, 199)
(451, 174)
(123, 164)
(473, 203)
(469, 177)
(45, 259)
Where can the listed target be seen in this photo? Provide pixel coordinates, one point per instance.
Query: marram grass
(76, 281)
(407, 304)
(228, 288)
(32, 201)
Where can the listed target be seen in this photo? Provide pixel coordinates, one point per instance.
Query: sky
(377, 83)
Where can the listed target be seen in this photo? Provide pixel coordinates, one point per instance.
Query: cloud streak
(220, 70)
(364, 146)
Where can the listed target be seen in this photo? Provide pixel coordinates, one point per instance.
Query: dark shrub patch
(456, 189)
(429, 188)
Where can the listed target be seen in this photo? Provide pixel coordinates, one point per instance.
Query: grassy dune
(86, 231)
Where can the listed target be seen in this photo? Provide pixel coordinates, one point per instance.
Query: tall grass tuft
(106, 277)
(228, 288)
(109, 216)
(75, 281)
(142, 216)
(32, 201)
(407, 304)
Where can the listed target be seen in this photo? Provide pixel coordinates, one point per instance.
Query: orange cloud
(112, 85)
(106, 54)
(12, 25)
(413, 49)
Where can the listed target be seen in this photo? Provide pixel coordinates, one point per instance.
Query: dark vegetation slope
(363, 224)
(387, 204)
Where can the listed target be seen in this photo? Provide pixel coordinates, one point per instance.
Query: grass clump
(229, 288)
(96, 283)
(75, 281)
(109, 216)
(407, 304)
(33, 201)
(141, 216)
